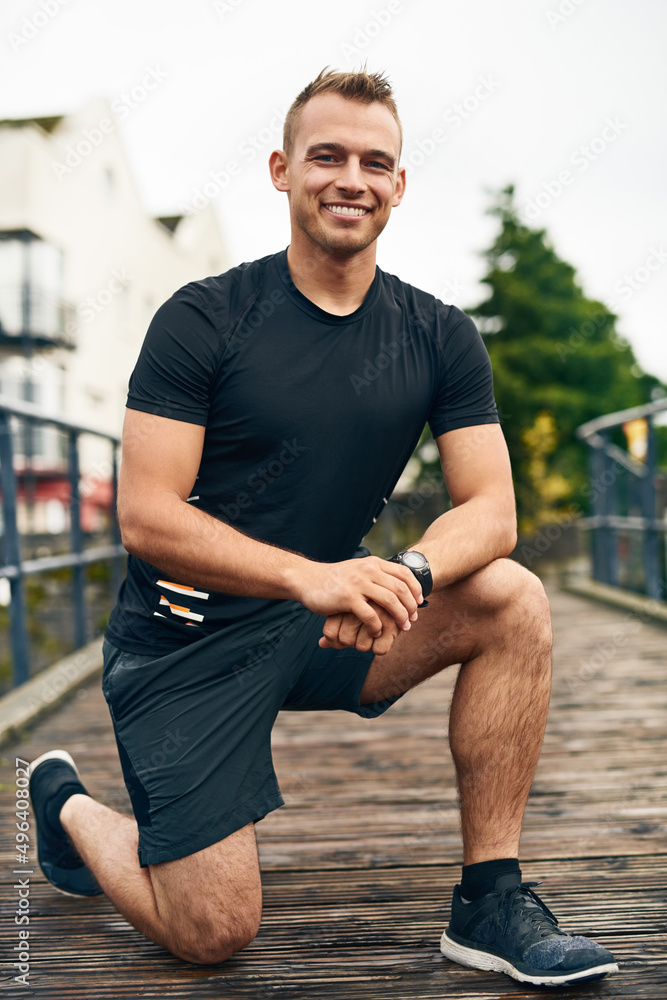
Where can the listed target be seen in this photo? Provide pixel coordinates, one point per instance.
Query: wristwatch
(417, 563)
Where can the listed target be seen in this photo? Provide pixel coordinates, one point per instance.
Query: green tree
(557, 360)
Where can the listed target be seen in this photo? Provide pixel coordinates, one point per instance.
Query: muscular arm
(481, 526)
(161, 460)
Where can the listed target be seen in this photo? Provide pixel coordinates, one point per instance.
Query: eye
(327, 157)
(376, 164)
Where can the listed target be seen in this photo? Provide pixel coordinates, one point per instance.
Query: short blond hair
(367, 88)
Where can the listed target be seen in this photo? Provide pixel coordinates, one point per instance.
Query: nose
(350, 177)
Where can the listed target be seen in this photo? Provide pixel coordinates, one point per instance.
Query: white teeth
(344, 210)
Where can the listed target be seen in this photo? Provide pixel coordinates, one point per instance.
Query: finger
(349, 630)
(364, 641)
(385, 642)
(391, 603)
(366, 614)
(406, 577)
(330, 630)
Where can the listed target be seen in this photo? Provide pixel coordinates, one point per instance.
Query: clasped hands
(367, 602)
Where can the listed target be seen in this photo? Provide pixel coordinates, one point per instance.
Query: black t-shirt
(310, 420)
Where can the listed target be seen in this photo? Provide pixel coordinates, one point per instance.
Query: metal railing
(628, 517)
(15, 569)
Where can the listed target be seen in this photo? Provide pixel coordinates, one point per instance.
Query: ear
(400, 188)
(279, 169)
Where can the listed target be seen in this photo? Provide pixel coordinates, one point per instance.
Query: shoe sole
(53, 755)
(59, 755)
(475, 959)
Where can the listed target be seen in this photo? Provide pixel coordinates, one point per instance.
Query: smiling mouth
(347, 211)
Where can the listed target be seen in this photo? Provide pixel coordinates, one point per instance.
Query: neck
(337, 284)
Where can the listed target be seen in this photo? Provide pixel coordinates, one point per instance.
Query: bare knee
(516, 599)
(212, 942)
(527, 605)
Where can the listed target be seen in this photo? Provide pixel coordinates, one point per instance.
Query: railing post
(605, 545)
(596, 466)
(651, 541)
(17, 615)
(611, 535)
(78, 579)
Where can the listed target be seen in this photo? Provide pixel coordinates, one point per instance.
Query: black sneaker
(58, 858)
(510, 930)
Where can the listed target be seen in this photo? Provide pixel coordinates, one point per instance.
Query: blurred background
(134, 140)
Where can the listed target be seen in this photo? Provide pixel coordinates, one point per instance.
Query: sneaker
(510, 930)
(58, 858)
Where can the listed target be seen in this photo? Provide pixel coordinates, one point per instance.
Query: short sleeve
(176, 365)
(465, 392)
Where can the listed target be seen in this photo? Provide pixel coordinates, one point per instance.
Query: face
(342, 177)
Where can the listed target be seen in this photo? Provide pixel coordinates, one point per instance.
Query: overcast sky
(564, 98)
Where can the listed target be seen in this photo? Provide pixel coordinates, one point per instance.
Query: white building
(82, 271)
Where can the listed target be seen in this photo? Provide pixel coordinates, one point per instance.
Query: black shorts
(194, 727)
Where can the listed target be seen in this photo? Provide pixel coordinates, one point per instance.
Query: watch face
(414, 560)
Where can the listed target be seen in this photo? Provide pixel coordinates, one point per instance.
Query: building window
(31, 282)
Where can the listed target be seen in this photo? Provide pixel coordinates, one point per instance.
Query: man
(256, 456)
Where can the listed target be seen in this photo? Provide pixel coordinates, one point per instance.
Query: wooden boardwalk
(358, 868)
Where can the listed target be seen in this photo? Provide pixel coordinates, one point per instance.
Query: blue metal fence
(15, 568)
(628, 521)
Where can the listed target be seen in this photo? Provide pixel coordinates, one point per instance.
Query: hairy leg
(496, 624)
(203, 908)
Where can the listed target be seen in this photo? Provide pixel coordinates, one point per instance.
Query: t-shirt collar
(313, 310)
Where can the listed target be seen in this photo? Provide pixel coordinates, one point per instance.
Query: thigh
(215, 892)
(454, 628)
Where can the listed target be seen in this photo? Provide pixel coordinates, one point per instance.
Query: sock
(55, 804)
(480, 878)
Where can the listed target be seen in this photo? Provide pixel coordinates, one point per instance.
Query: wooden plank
(358, 868)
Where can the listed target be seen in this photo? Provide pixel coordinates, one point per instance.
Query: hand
(382, 596)
(343, 630)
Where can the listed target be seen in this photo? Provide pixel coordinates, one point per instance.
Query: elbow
(132, 532)
(509, 536)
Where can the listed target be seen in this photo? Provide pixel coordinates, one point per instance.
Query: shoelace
(531, 905)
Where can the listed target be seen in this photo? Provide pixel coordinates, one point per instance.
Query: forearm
(468, 537)
(195, 548)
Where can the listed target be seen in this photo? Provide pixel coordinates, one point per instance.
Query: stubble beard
(342, 245)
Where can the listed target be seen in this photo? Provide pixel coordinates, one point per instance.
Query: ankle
(479, 879)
